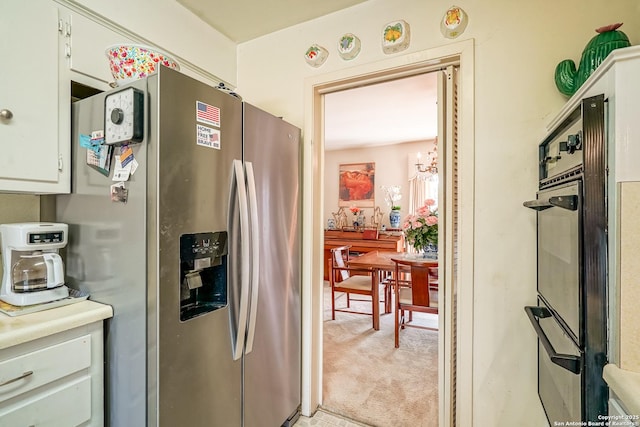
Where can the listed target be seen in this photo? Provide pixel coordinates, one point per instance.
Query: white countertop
(28, 327)
(626, 385)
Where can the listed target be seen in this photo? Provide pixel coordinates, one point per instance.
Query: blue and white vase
(430, 251)
(394, 218)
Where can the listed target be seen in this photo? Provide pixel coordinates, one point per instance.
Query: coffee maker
(33, 269)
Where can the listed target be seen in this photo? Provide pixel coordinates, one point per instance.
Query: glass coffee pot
(36, 271)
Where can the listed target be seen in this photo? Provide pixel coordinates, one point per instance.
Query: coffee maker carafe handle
(55, 270)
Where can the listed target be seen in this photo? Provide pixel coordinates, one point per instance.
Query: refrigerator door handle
(238, 335)
(255, 254)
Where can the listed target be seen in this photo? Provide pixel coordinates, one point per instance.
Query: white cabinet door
(34, 158)
(89, 40)
(55, 380)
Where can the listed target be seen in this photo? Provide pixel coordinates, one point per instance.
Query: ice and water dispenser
(203, 273)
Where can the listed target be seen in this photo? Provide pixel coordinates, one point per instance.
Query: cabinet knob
(6, 114)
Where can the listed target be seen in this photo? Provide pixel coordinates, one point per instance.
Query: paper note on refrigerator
(101, 159)
(121, 173)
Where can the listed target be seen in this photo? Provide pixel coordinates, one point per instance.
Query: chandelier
(429, 169)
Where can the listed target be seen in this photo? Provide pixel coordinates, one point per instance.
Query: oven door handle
(565, 202)
(567, 361)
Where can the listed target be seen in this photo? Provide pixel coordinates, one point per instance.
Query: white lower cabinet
(68, 405)
(54, 381)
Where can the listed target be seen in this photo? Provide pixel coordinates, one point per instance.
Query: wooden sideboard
(388, 242)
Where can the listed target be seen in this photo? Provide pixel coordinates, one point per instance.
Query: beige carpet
(368, 380)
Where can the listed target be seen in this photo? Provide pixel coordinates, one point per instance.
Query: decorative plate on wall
(454, 22)
(395, 37)
(348, 46)
(316, 55)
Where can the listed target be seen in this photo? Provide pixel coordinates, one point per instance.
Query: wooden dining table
(381, 263)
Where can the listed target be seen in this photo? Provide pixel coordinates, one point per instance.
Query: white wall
(391, 162)
(517, 46)
(169, 25)
(18, 208)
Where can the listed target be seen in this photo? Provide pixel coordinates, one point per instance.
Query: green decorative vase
(568, 79)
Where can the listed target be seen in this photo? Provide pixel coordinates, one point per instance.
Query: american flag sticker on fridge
(208, 114)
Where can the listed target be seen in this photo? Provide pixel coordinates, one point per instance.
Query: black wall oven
(570, 317)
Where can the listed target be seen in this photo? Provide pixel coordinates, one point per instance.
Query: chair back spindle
(420, 286)
(339, 255)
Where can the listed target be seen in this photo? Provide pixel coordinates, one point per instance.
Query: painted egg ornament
(348, 46)
(395, 37)
(316, 55)
(454, 22)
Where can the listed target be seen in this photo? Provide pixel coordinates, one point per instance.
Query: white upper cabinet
(34, 98)
(44, 46)
(89, 41)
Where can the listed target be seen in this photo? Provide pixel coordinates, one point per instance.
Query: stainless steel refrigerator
(185, 217)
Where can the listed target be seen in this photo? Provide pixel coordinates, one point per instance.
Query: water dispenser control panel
(203, 273)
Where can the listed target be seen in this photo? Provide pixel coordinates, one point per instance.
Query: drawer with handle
(65, 405)
(29, 371)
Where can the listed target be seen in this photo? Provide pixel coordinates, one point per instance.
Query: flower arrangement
(392, 196)
(421, 229)
(355, 210)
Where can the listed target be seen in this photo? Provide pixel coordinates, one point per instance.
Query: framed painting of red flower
(357, 184)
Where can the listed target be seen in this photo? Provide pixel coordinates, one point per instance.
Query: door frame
(458, 53)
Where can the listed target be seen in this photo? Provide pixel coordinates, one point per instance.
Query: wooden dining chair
(433, 278)
(359, 281)
(414, 295)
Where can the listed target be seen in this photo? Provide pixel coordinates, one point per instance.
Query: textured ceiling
(243, 20)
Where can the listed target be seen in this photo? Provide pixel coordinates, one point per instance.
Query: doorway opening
(392, 127)
(456, 347)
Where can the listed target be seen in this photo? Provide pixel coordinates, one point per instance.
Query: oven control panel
(561, 152)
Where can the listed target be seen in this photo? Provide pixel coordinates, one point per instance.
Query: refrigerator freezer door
(106, 257)
(199, 384)
(159, 370)
(272, 369)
